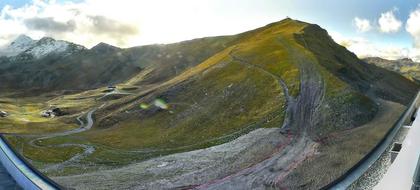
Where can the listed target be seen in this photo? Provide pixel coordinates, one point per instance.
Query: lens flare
(161, 104)
(144, 106)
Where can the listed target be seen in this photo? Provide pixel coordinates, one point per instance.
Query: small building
(52, 112)
(47, 113)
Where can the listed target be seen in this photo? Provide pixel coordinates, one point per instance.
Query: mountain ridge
(39, 48)
(405, 66)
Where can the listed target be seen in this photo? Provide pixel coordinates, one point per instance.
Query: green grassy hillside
(199, 97)
(209, 91)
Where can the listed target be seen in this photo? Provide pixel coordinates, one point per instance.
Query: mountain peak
(46, 40)
(39, 48)
(47, 45)
(104, 48)
(22, 39)
(20, 44)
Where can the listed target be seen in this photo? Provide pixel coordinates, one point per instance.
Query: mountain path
(88, 149)
(300, 116)
(261, 159)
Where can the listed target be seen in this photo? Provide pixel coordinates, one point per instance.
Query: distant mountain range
(48, 64)
(406, 67)
(24, 45)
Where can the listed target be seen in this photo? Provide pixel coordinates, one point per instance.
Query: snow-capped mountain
(19, 45)
(48, 45)
(39, 48)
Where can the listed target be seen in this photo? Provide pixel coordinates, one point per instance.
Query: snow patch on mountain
(18, 46)
(39, 48)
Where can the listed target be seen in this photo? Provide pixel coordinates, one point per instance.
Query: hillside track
(301, 115)
(88, 149)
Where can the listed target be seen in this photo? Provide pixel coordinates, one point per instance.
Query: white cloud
(362, 47)
(362, 25)
(388, 23)
(413, 28)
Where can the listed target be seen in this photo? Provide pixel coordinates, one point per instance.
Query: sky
(388, 29)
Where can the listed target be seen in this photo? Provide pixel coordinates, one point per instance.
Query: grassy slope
(211, 103)
(365, 78)
(225, 98)
(24, 117)
(46, 154)
(352, 85)
(201, 108)
(219, 99)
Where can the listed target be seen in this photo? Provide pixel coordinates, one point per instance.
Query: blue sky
(338, 15)
(130, 23)
(15, 3)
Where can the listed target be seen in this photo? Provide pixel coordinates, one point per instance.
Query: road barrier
(354, 173)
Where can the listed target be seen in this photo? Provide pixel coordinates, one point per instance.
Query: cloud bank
(49, 25)
(85, 23)
(362, 47)
(127, 23)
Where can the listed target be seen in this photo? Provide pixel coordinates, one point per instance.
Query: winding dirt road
(88, 149)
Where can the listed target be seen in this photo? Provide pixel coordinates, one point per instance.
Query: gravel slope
(184, 169)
